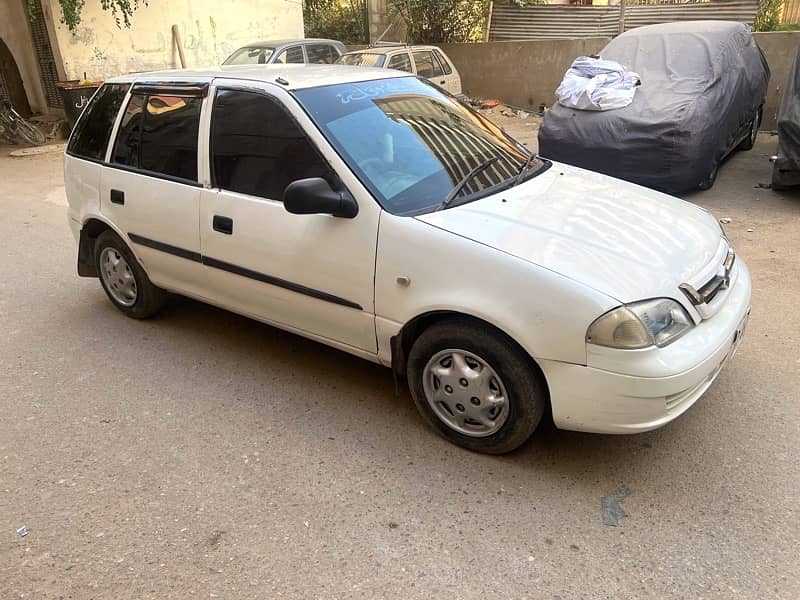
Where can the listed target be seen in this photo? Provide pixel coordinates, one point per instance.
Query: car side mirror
(314, 196)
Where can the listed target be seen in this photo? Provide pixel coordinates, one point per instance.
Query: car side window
(126, 148)
(158, 133)
(257, 147)
(321, 54)
(427, 66)
(91, 135)
(291, 56)
(401, 62)
(444, 62)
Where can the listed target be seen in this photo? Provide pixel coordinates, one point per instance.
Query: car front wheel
(124, 279)
(475, 387)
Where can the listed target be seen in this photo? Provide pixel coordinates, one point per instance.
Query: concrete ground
(204, 455)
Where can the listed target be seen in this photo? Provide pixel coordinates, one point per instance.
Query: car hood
(627, 241)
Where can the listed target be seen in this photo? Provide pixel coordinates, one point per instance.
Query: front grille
(721, 280)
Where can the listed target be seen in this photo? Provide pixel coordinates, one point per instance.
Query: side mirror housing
(314, 196)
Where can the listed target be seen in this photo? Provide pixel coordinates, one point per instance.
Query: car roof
(291, 42)
(710, 28)
(297, 76)
(389, 49)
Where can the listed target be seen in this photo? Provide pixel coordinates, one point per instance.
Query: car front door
(150, 188)
(310, 273)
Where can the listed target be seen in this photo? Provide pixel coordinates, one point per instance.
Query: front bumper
(588, 398)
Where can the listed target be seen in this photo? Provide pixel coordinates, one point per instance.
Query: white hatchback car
(366, 209)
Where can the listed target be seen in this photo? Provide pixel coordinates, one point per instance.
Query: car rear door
(426, 65)
(309, 273)
(150, 187)
(451, 76)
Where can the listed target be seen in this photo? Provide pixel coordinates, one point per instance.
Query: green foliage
(121, 10)
(769, 15)
(344, 20)
(441, 21)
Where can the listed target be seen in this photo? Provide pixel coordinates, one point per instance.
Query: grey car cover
(786, 170)
(703, 83)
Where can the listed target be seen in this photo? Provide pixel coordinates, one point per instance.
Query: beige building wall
(210, 30)
(16, 34)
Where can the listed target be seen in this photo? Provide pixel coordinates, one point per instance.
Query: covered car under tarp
(703, 84)
(786, 170)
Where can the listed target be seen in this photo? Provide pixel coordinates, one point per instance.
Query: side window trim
(447, 68)
(112, 140)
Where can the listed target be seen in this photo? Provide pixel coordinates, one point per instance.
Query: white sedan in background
(429, 62)
(366, 209)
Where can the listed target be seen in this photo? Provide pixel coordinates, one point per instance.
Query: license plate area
(737, 337)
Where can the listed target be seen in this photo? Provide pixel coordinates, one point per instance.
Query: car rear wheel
(124, 280)
(752, 135)
(475, 387)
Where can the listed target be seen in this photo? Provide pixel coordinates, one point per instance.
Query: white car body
(540, 262)
(406, 58)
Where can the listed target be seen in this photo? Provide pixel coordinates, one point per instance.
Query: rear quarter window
(91, 134)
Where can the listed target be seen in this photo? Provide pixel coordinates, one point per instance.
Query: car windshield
(362, 59)
(411, 144)
(250, 56)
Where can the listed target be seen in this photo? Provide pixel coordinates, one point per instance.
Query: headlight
(640, 324)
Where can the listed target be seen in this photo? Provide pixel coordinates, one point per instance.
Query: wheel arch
(91, 229)
(401, 342)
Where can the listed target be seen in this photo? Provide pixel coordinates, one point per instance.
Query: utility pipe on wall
(176, 37)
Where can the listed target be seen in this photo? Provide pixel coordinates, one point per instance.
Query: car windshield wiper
(464, 180)
(524, 167)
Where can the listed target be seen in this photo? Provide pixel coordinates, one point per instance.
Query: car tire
(710, 179)
(496, 398)
(752, 133)
(124, 280)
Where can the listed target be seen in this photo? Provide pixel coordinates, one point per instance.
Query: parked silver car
(305, 51)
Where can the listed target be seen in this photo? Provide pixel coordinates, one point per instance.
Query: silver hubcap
(118, 277)
(465, 393)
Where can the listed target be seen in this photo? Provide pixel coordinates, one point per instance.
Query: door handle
(442, 82)
(223, 224)
(117, 197)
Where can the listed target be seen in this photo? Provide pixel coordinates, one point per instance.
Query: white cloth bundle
(597, 84)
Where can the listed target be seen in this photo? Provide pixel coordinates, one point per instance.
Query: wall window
(291, 56)
(91, 135)
(401, 62)
(427, 65)
(256, 146)
(158, 133)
